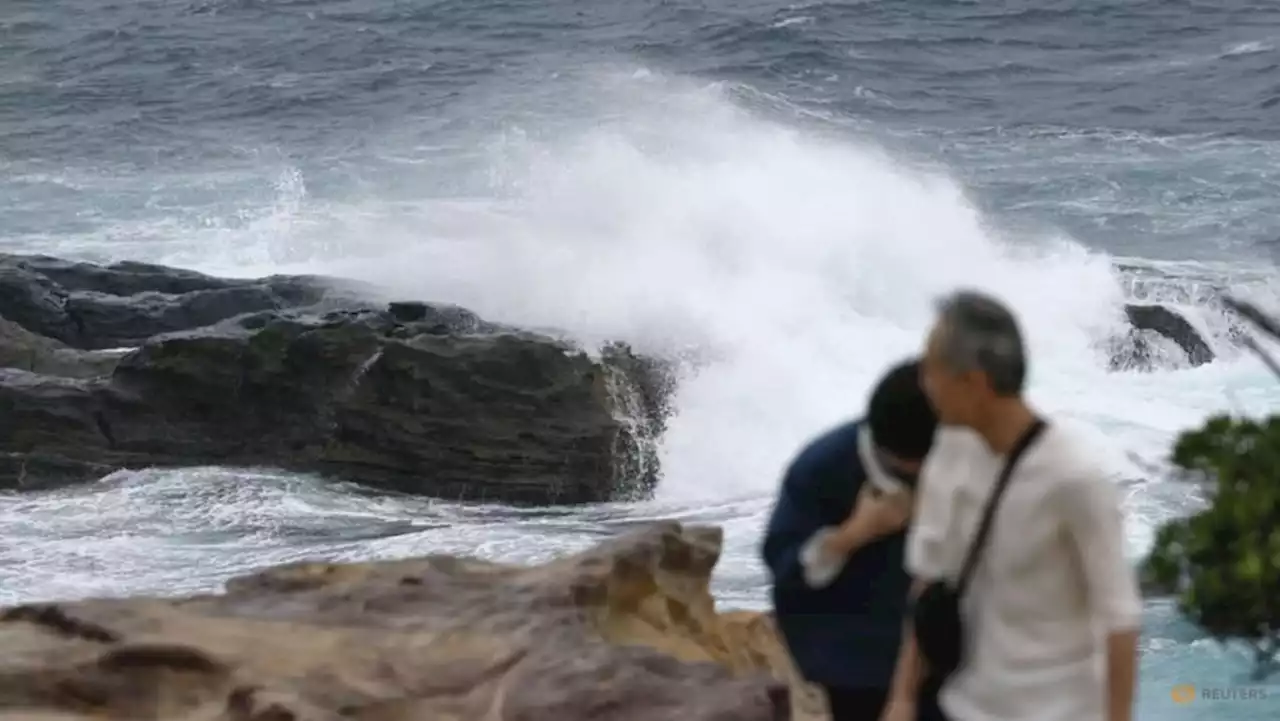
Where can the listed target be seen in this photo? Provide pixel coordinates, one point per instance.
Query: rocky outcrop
(1160, 333)
(626, 631)
(1135, 349)
(1171, 325)
(302, 373)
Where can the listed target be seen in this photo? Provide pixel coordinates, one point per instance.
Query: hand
(899, 709)
(875, 514)
(878, 513)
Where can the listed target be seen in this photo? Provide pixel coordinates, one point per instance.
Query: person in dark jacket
(835, 543)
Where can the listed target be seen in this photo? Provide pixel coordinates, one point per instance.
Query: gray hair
(981, 333)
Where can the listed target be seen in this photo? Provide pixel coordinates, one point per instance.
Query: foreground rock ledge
(626, 631)
(305, 373)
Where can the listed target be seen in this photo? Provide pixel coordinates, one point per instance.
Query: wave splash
(789, 265)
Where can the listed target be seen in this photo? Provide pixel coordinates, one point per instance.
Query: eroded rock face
(24, 350)
(300, 373)
(625, 631)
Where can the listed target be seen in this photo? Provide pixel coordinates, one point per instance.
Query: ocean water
(781, 188)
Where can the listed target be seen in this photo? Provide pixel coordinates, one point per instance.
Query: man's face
(954, 396)
(904, 470)
(887, 472)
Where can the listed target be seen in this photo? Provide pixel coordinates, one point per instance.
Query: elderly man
(1051, 599)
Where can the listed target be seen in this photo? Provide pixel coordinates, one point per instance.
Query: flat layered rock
(626, 631)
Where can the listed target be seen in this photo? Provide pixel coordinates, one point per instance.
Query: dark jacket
(848, 633)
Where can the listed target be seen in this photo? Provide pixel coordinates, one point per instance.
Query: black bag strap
(984, 528)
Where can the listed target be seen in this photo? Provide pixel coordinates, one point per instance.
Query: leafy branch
(1223, 563)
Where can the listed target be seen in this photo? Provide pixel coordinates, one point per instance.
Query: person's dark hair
(901, 420)
(980, 333)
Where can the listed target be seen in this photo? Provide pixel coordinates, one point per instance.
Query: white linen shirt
(1051, 582)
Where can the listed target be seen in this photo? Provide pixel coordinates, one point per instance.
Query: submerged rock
(303, 374)
(1171, 325)
(1135, 349)
(626, 631)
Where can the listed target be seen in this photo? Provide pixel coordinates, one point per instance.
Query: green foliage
(1224, 562)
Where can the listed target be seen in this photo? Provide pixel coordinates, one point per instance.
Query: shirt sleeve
(1095, 520)
(792, 527)
(819, 567)
(927, 534)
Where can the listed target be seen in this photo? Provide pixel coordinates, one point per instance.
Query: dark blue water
(784, 184)
(1186, 92)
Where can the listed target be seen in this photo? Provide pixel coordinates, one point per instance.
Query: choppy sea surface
(785, 186)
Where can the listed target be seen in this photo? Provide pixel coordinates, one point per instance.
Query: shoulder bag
(939, 626)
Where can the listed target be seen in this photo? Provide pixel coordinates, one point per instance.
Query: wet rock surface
(626, 630)
(1138, 348)
(135, 365)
